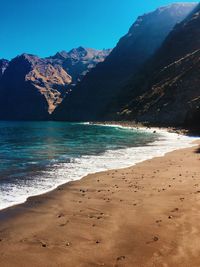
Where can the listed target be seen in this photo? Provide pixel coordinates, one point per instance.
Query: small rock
(60, 215)
(155, 238)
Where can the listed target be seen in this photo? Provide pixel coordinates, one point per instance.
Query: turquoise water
(38, 156)
(27, 146)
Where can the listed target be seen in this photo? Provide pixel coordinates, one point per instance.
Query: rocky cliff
(171, 93)
(32, 87)
(90, 98)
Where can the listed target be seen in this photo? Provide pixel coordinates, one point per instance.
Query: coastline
(138, 125)
(167, 140)
(137, 216)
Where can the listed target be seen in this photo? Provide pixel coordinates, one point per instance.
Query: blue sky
(43, 27)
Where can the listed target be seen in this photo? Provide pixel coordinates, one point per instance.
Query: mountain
(79, 61)
(171, 93)
(32, 87)
(90, 98)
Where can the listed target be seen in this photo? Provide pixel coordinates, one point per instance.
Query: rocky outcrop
(171, 93)
(32, 87)
(3, 65)
(51, 81)
(91, 97)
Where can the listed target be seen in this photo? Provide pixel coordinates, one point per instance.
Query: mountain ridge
(44, 79)
(91, 97)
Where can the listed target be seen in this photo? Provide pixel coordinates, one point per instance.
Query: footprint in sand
(158, 221)
(175, 210)
(154, 239)
(60, 215)
(63, 224)
(120, 258)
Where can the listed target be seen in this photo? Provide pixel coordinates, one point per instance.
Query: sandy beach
(142, 216)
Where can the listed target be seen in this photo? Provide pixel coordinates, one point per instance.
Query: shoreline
(137, 216)
(137, 125)
(125, 125)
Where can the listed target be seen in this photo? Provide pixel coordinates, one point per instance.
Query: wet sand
(144, 216)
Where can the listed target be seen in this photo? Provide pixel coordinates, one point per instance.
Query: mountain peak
(79, 52)
(29, 58)
(61, 55)
(174, 13)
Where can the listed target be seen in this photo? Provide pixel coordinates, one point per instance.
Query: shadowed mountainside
(171, 93)
(30, 88)
(90, 98)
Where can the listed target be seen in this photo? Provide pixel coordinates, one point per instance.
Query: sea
(37, 157)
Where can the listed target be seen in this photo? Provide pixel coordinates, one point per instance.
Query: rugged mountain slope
(90, 98)
(172, 91)
(31, 87)
(79, 61)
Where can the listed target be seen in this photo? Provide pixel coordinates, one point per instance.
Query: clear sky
(43, 27)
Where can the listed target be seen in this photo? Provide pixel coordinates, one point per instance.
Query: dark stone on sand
(155, 238)
(121, 258)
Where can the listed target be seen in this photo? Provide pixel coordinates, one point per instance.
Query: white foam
(61, 173)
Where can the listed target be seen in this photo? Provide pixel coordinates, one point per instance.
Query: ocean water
(36, 157)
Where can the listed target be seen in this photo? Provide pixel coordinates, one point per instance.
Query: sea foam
(76, 168)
